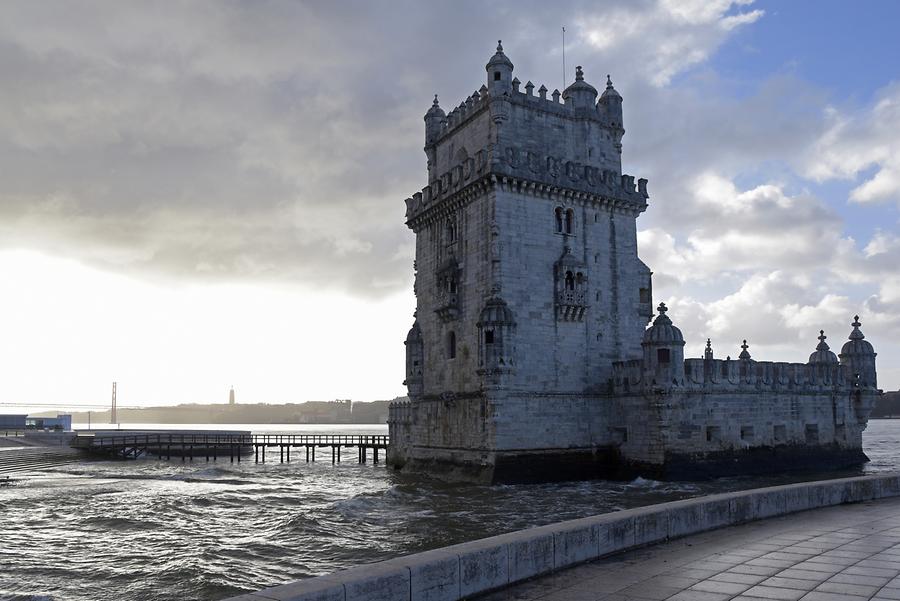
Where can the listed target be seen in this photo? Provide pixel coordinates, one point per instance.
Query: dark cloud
(274, 140)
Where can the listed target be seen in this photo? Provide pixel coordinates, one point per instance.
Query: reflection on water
(157, 530)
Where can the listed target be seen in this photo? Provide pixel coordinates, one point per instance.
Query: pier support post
(289, 453)
(281, 449)
(256, 453)
(374, 454)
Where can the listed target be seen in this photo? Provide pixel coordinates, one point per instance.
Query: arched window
(489, 336)
(451, 288)
(451, 232)
(451, 345)
(570, 221)
(559, 220)
(579, 280)
(570, 281)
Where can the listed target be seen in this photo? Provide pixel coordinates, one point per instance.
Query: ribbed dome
(568, 259)
(610, 91)
(856, 345)
(496, 313)
(415, 333)
(499, 58)
(662, 331)
(435, 110)
(823, 353)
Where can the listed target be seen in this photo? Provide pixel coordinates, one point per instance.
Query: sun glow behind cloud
(76, 329)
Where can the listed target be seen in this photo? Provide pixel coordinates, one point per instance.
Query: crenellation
(530, 356)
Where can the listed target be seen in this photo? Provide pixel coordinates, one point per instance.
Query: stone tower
(528, 282)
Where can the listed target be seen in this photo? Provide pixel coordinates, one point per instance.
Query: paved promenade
(842, 553)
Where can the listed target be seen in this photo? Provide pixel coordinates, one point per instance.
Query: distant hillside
(888, 405)
(312, 412)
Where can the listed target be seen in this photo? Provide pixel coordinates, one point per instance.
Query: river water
(157, 530)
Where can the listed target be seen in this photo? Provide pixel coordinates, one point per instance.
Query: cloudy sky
(206, 193)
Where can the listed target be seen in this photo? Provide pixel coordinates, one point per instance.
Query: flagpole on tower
(564, 57)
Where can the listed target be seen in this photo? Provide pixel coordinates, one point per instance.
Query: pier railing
(233, 445)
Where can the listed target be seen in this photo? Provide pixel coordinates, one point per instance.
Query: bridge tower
(113, 418)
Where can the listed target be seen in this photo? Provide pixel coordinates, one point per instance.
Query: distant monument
(231, 396)
(529, 359)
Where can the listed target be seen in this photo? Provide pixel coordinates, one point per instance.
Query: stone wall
(468, 569)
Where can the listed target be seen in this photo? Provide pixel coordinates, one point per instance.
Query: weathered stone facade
(529, 358)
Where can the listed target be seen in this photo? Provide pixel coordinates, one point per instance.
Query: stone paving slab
(843, 553)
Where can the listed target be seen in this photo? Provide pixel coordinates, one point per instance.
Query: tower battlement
(501, 130)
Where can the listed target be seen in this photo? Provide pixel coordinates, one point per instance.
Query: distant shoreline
(344, 412)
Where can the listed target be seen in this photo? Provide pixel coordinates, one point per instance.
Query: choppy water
(156, 530)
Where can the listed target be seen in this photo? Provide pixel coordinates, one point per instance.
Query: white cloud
(680, 34)
(859, 141)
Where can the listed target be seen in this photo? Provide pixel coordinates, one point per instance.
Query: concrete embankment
(468, 569)
(35, 451)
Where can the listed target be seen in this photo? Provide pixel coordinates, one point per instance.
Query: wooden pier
(215, 446)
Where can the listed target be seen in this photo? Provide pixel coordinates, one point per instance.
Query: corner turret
(433, 119)
(858, 354)
(663, 346)
(610, 105)
(414, 360)
(499, 73)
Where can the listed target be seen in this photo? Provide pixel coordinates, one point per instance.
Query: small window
(746, 432)
(451, 232)
(496, 75)
(780, 433)
(559, 220)
(597, 296)
(579, 280)
(451, 345)
(489, 337)
(570, 281)
(812, 433)
(644, 295)
(570, 221)
(713, 433)
(662, 355)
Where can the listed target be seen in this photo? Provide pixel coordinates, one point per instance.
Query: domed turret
(433, 119)
(663, 346)
(662, 331)
(499, 72)
(823, 354)
(580, 94)
(611, 104)
(859, 355)
(414, 360)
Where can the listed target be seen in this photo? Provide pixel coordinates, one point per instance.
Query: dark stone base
(755, 461)
(555, 466)
(605, 463)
